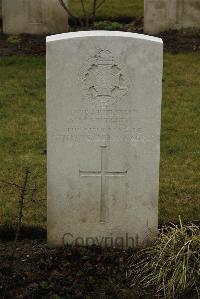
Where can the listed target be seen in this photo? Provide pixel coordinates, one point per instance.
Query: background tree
(88, 16)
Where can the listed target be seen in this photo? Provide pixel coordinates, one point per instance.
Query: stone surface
(103, 137)
(163, 15)
(33, 17)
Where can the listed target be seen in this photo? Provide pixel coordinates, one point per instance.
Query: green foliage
(171, 267)
(107, 25)
(14, 39)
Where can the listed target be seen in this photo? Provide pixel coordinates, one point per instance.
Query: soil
(22, 45)
(174, 41)
(36, 271)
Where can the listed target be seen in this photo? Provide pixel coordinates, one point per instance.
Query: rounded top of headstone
(102, 33)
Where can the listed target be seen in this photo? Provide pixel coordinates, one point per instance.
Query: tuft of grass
(171, 267)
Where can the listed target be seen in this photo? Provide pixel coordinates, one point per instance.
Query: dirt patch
(36, 271)
(182, 41)
(8, 233)
(22, 45)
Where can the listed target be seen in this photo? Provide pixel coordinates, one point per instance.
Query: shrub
(170, 268)
(107, 25)
(14, 39)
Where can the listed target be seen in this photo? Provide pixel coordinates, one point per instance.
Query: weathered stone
(33, 17)
(103, 130)
(163, 15)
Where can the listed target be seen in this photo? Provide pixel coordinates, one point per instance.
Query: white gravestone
(163, 15)
(103, 130)
(33, 17)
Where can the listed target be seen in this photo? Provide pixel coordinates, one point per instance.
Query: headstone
(33, 17)
(103, 130)
(163, 15)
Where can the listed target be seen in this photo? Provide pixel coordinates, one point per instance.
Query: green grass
(112, 8)
(180, 147)
(22, 141)
(22, 131)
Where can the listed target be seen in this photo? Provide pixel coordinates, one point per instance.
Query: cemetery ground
(23, 138)
(23, 145)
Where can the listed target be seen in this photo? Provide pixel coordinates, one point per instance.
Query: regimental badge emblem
(104, 79)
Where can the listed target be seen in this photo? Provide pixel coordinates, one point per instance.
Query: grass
(112, 8)
(171, 266)
(22, 142)
(180, 147)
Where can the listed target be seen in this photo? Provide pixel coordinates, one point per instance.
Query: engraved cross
(103, 174)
